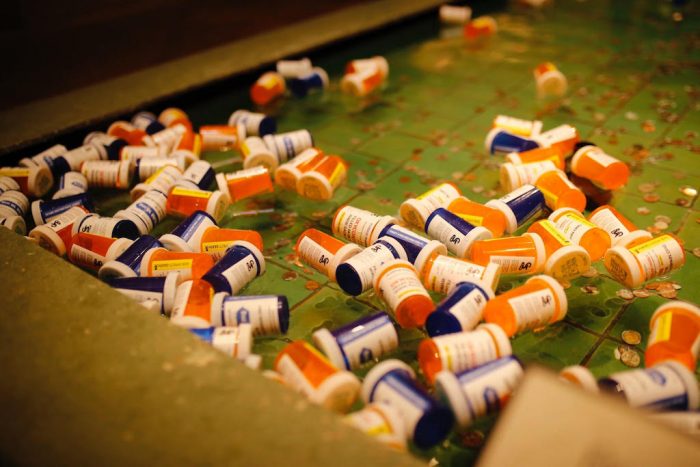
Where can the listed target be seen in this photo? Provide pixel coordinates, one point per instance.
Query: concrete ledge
(35, 122)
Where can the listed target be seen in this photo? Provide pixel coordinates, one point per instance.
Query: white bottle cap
(491, 276)
(175, 243)
(117, 248)
(345, 252)
(324, 340)
(540, 251)
(337, 392)
(509, 177)
(217, 204)
(557, 213)
(623, 258)
(448, 385)
(631, 237)
(500, 337)
(378, 371)
(314, 186)
(511, 221)
(379, 226)
(222, 186)
(431, 248)
(253, 361)
(115, 269)
(581, 376)
(566, 255)
(415, 212)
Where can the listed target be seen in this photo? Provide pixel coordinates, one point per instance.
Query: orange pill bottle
(559, 192)
(552, 154)
(478, 214)
(320, 182)
(267, 88)
(525, 254)
(245, 183)
(621, 230)
(533, 305)
(159, 262)
(580, 231)
(324, 252)
(675, 335)
(564, 260)
(287, 175)
(602, 169)
(192, 304)
(182, 202)
(216, 241)
(397, 283)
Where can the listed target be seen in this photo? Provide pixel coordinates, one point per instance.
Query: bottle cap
(324, 340)
(624, 267)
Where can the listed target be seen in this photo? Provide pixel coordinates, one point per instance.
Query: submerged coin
(631, 337)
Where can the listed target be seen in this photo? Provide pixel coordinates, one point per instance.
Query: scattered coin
(652, 285)
(404, 179)
(478, 189)
(651, 197)
(631, 358)
(643, 210)
(646, 187)
(631, 116)
(662, 218)
(625, 294)
(590, 290)
(668, 293)
(631, 337)
(641, 293)
(592, 272)
(661, 225)
(312, 285)
(289, 276)
(365, 186)
(682, 202)
(696, 251)
(648, 126)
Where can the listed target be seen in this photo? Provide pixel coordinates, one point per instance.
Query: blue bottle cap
(44, 210)
(500, 140)
(128, 264)
(348, 279)
(238, 251)
(267, 126)
(283, 311)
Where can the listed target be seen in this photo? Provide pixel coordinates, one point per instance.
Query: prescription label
(179, 191)
(533, 310)
(465, 350)
(573, 226)
(659, 387)
(515, 264)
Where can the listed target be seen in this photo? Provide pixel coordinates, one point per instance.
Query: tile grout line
(613, 322)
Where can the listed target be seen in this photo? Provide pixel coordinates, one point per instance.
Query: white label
(83, 257)
(607, 221)
(489, 390)
(292, 143)
(398, 284)
(196, 171)
(410, 405)
(102, 226)
(143, 295)
(355, 225)
(455, 241)
(533, 310)
(261, 312)
(469, 309)
(529, 173)
(660, 386)
(368, 261)
(77, 156)
(659, 256)
(182, 295)
(370, 421)
(465, 350)
(557, 135)
(439, 197)
(150, 166)
(447, 272)
(103, 173)
(240, 273)
(600, 157)
(133, 153)
(293, 376)
(167, 139)
(65, 220)
(516, 193)
(370, 343)
(228, 340)
(573, 227)
(315, 255)
(515, 264)
(74, 180)
(514, 125)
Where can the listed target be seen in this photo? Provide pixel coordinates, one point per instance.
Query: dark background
(51, 47)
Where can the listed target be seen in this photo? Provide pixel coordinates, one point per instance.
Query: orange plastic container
(564, 260)
(182, 202)
(192, 305)
(267, 88)
(323, 179)
(602, 169)
(397, 283)
(675, 335)
(307, 371)
(563, 138)
(653, 258)
(442, 273)
(128, 132)
(173, 116)
(553, 154)
(416, 211)
(559, 192)
(533, 305)
(481, 26)
(92, 251)
(245, 183)
(462, 351)
(363, 82)
(520, 127)
(478, 214)
(549, 80)
(287, 175)
(525, 254)
(579, 231)
(324, 252)
(219, 137)
(158, 262)
(216, 241)
(621, 230)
